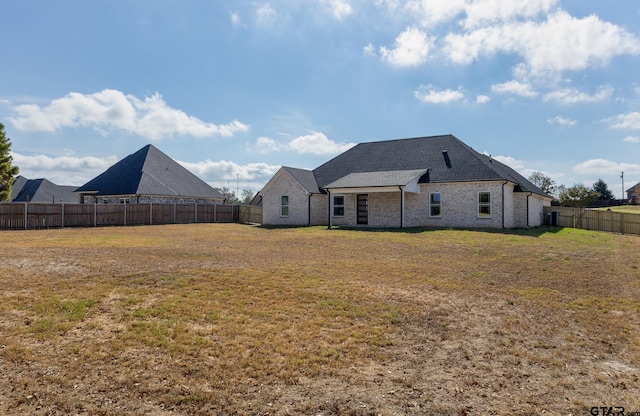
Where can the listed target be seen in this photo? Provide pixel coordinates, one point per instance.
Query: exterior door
(363, 209)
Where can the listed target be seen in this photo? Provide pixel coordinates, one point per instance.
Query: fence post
(26, 217)
(174, 212)
(125, 212)
(95, 213)
(62, 214)
(150, 213)
(214, 213)
(195, 212)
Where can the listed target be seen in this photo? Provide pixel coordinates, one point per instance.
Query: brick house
(433, 181)
(633, 194)
(148, 176)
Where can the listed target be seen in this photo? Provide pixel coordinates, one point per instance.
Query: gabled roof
(149, 172)
(377, 179)
(305, 178)
(41, 190)
(634, 187)
(446, 159)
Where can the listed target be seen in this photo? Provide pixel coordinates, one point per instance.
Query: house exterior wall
(633, 194)
(534, 217)
(284, 185)
(520, 201)
(319, 209)
(459, 205)
(148, 199)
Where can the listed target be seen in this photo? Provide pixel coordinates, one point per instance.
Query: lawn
(237, 319)
(631, 209)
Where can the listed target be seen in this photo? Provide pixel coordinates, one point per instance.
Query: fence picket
(592, 219)
(29, 216)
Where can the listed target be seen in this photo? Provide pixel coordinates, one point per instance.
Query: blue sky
(235, 89)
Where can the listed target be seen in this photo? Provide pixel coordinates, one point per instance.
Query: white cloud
(265, 13)
(605, 167)
(516, 88)
(631, 139)
(267, 145)
(62, 170)
(560, 43)
(318, 144)
(429, 94)
(411, 48)
(339, 8)
(235, 18)
(510, 161)
(473, 13)
(561, 121)
(574, 96)
(481, 13)
(369, 50)
(222, 172)
(630, 121)
(430, 12)
(150, 117)
(482, 99)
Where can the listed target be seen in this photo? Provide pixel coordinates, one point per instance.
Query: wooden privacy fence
(592, 219)
(30, 216)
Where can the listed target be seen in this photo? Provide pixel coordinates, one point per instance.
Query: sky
(233, 90)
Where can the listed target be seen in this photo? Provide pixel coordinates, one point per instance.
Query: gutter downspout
(329, 206)
(530, 193)
(505, 182)
(401, 206)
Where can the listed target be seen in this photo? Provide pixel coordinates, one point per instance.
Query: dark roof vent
(447, 161)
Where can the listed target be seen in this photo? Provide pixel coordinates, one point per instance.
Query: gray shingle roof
(377, 179)
(446, 158)
(305, 178)
(149, 172)
(41, 190)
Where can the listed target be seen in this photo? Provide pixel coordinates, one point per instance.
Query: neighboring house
(633, 193)
(41, 190)
(145, 176)
(422, 182)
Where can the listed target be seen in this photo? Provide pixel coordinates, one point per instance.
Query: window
(284, 206)
(338, 206)
(435, 204)
(484, 204)
(125, 200)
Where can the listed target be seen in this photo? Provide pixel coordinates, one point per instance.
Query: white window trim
(440, 205)
(484, 216)
(283, 205)
(333, 205)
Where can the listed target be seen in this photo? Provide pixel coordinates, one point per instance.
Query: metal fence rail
(32, 216)
(592, 219)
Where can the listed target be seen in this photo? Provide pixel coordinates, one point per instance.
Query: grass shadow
(526, 232)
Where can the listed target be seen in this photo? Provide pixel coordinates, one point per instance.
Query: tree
(229, 196)
(602, 189)
(544, 182)
(578, 196)
(8, 170)
(247, 196)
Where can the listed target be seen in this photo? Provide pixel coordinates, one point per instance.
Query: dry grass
(233, 319)
(630, 209)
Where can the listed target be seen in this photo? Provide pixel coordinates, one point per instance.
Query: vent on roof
(447, 161)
